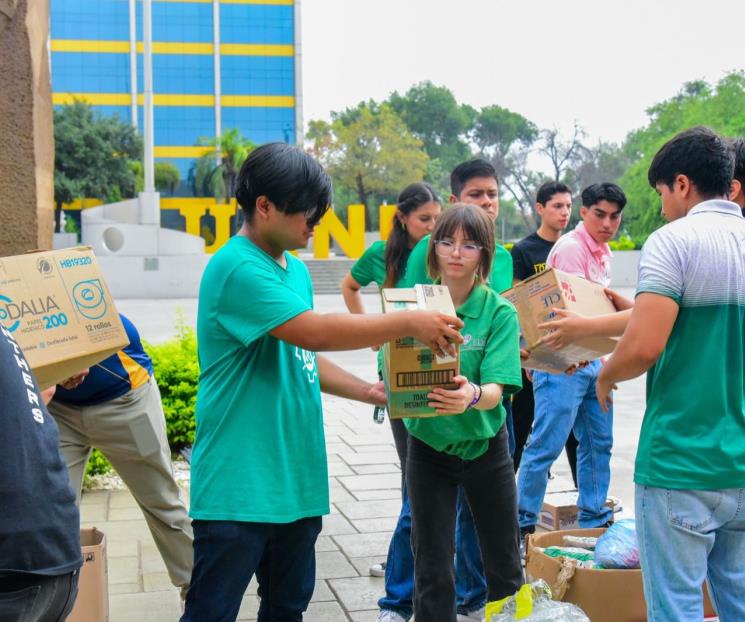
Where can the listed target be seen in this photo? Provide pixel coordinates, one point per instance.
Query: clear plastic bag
(533, 603)
(618, 547)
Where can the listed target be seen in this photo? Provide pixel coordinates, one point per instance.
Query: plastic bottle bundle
(532, 603)
(618, 547)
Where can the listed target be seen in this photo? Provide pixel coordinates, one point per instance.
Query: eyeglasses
(445, 248)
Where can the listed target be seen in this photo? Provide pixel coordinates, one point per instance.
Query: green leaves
(93, 155)
(720, 107)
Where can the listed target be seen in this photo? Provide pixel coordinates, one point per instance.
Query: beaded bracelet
(476, 394)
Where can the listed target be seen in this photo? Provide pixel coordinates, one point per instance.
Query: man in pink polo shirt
(564, 402)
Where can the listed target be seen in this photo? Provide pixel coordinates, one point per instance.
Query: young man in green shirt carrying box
(259, 473)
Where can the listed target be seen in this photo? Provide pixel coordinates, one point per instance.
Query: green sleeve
(416, 266)
(500, 279)
(501, 362)
(371, 266)
(271, 303)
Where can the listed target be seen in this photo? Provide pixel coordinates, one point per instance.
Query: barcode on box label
(424, 378)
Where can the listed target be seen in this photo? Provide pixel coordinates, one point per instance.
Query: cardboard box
(560, 510)
(92, 603)
(535, 298)
(411, 369)
(59, 309)
(604, 595)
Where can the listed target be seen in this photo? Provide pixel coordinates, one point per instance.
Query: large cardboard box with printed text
(411, 369)
(58, 308)
(536, 297)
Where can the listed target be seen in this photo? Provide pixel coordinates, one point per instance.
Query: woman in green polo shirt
(466, 444)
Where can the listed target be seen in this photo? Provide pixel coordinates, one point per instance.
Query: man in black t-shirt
(39, 522)
(554, 206)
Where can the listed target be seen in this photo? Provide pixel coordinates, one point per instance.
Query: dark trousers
(523, 406)
(488, 482)
(37, 598)
(228, 553)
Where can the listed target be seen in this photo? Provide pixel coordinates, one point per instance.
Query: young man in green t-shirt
(259, 475)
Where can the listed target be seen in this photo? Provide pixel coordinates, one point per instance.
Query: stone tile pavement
(364, 480)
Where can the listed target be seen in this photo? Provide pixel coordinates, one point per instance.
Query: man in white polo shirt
(687, 328)
(564, 402)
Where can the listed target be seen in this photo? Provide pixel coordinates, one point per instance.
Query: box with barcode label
(410, 369)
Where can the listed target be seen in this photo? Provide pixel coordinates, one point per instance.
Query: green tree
(435, 117)
(374, 153)
(720, 107)
(506, 138)
(92, 156)
(215, 175)
(167, 177)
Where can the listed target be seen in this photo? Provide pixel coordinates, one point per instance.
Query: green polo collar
(474, 304)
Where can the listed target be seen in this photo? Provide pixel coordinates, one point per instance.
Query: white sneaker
(472, 616)
(386, 615)
(377, 570)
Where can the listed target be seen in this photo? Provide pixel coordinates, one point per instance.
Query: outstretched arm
(339, 382)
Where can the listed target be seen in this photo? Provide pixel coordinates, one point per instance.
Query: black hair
(468, 170)
(738, 148)
(604, 192)
(547, 191)
(288, 177)
(397, 247)
(701, 155)
(475, 225)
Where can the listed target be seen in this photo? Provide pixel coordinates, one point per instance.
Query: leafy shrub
(177, 372)
(624, 243)
(97, 464)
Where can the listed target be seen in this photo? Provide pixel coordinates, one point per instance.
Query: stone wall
(26, 135)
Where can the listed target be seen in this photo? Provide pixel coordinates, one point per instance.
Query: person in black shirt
(554, 206)
(40, 553)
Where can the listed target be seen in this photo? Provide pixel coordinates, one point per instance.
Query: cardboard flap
(405, 294)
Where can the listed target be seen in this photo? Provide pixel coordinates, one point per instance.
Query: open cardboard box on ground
(604, 595)
(536, 297)
(92, 603)
(57, 306)
(411, 369)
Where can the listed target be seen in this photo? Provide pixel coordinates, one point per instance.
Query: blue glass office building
(217, 65)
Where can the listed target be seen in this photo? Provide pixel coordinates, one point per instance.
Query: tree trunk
(362, 193)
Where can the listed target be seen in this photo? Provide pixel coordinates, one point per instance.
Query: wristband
(476, 394)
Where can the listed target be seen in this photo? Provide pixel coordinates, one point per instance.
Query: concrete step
(327, 274)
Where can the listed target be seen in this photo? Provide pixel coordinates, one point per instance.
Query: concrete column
(27, 145)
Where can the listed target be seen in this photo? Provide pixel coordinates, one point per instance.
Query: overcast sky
(598, 62)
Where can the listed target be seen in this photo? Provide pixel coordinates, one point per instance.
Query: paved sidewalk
(364, 479)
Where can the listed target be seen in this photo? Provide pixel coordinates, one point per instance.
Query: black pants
(523, 406)
(37, 598)
(227, 554)
(488, 481)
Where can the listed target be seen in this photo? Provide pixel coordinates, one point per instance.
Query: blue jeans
(685, 537)
(228, 553)
(399, 567)
(563, 403)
